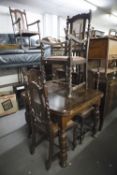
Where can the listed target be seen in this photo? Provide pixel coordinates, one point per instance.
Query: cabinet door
(109, 100)
(112, 95)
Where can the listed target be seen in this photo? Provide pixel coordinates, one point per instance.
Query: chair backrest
(39, 100)
(19, 20)
(77, 44)
(33, 75)
(79, 27)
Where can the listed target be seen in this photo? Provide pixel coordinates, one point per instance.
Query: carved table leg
(63, 145)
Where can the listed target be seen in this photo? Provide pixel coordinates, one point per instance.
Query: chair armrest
(72, 37)
(17, 21)
(36, 22)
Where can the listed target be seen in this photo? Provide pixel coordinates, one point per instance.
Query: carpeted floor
(96, 156)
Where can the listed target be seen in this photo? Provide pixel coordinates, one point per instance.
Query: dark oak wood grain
(66, 108)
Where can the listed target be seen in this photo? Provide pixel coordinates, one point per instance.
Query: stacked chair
(78, 35)
(75, 59)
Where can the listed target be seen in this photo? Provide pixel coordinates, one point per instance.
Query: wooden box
(8, 104)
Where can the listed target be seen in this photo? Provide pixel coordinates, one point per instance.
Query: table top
(60, 103)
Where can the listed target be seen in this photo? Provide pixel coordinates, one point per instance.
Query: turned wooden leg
(29, 131)
(28, 121)
(33, 142)
(96, 119)
(29, 127)
(63, 147)
(74, 137)
(101, 121)
(81, 130)
(50, 153)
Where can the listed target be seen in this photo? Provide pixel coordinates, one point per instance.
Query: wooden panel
(98, 48)
(9, 46)
(112, 49)
(110, 97)
(108, 87)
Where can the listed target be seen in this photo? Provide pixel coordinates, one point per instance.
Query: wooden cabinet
(98, 48)
(103, 48)
(102, 58)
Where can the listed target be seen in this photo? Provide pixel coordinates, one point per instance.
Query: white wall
(103, 21)
(5, 20)
(62, 25)
(8, 76)
(50, 25)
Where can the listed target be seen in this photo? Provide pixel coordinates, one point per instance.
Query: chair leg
(74, 137)
(29, 131)
(81, 131)
(96, 120)
(28, 121)
(50, 153)
(33, 142)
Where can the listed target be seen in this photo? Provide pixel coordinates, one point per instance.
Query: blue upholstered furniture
(16, 57)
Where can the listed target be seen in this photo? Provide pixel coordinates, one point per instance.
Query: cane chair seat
(75, 59)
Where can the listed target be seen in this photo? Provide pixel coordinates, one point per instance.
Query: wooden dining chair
(75, 56)
(21, 28)
(42, 121)
(77, 46)
(78, 29)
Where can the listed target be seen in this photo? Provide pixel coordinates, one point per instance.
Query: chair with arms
(77, 45)
(76, 51)
(78, 30)
(21, 27)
